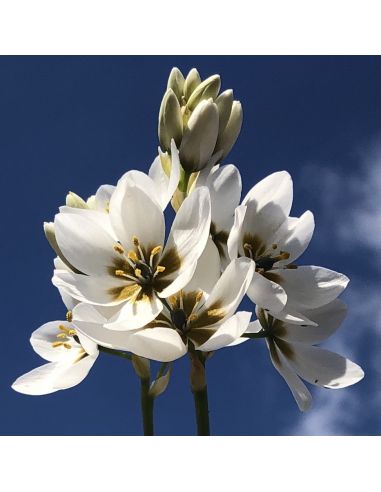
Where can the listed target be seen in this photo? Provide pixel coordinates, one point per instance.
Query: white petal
(292, 316)
(53, 377)
(322, 367)
(43, 338)
(87, 245)
(94, 289)
(208, 270)
(295, 235)
(266, 293)
(166, 185)
(90, 346)
(133, 212)
(328, 319)
(188, 236)
(228, 332)
(161, 344)
(96, 216)
(136, 314)
(276, 189)
(298, 388)
(103, 197)
(235, 236)
(225, 186)
(231, 287)
(254, 327)
(309, 287)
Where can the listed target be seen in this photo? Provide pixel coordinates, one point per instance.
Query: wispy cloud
(351, 217)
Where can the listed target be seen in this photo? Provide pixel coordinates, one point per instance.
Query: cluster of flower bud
(203, 123)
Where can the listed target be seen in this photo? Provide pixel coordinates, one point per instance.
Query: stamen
(196, 303)
(61, 335)
(133, 256)
(156, 250)
(57, 344)
(248, 248)
(159, 269)
(138, 272)
(135, 240)
(69, 316)
(181, 299)
(67, 345)
(172, 300)
(192, 317)
(119, 248)
(72, 333)
(120, 273)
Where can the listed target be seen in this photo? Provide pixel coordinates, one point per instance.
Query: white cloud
(351, 217)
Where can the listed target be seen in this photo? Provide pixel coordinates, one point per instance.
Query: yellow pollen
(214, 312)
(133, 256)
(135, 240)
(192, 317)
(72, 333)
(119, 248)
(155, 250)
(119, 273)
(199, 296)
(172, 300)
(138, 272)
(61, 335)
(69, 316)
(67, 345)
(62, 327)
(160, 269)
(57, 344)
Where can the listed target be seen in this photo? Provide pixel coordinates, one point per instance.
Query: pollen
(69, 316)
(192, 317)
(67, 345)
(72, 333)
(119, 273)
(138, 272)
(160, 269)
(135, 240)
(61, 335)
(119, 248)
(57, 344)
(155, 250)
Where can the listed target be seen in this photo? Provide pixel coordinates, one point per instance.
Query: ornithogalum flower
(191, 319)
(121, 255)
(70, 354)
(264, 232)
(295, 356)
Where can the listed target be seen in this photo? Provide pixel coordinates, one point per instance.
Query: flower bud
(176, 82)
(191, 82)
(206, 90)
(229, 136)
(200, 136)
(160, 384)
(75, 201)
(224, 104)
(170, 121)
(141, 366)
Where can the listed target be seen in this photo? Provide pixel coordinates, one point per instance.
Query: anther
(155, 250)
(67, 345)
(274, 246)
(61, 335)
(72, 333)
(199, 296)
(159, 269)
(192, 317)
(119, 273)
(57, 344)
(69, 316)
(248, 246)
(135, 240)
(119, 248)
(63, 328)
(138, 272)
(133, 256)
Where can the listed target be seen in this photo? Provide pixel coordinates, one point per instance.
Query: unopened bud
(229, 136)
(176, 82)
(170, 121)
(159, 385)
(209, 88)
(200, 136)
(224, 104)
(75, 201)
(191, 82)
(141, 366)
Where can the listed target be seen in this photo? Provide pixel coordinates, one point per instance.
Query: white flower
(190, 318)
(294, 354)
(70, 354)
(123, 262)
(264, 231)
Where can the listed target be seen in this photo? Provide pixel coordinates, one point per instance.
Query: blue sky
(73, 123)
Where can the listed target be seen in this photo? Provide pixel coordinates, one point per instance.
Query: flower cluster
(130, 291)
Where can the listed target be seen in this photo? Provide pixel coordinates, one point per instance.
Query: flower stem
(200, 393)
(146, 401)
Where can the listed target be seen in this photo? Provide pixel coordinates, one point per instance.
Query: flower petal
(229, 289)
(321, 367)
(187, 239)
(43, 338)
(84, 242)
(298, 388)
(235, 236)
(165, 185)
(267, 294)
(208, 270)
(228, 332)
(328, 318)
(225, 187)
(295, 235)
(134, 212)
(135, 314)
(310, 287)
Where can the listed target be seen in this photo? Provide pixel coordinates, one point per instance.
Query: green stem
(202, 411)
(146, 402)
(118, 353)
